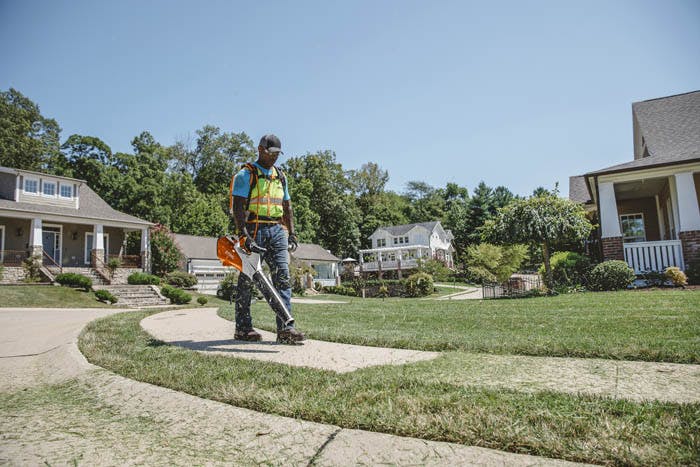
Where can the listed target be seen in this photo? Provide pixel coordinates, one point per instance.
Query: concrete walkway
(203, 330)
(106, 419)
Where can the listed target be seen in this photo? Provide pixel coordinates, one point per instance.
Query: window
(49, 189)
(396, 241)
(66, 191)
(401, 240)
(31, 185)
(381, 242)
(405, 239)
(632, 226)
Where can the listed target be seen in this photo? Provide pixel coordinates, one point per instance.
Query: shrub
(165, 253)
(676, 276)
(493, 263)
(70, 279)
(104, 296)
(141, 278)
(611, 275)
(419, 284)
(181, 279)
(228, 287)
(202, 300)
(112, 265)
(383, 291)
(341, 290)
(693, 273)
(569, 269)
(435, 268)
(2, 271)
(653, 278)
(176, 296)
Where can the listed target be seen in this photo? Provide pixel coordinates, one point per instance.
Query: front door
(51, 241)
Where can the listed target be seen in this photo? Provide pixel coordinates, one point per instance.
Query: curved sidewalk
(201, 329)
(101, 418)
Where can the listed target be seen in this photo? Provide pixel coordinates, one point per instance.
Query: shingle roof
(671, 129)
(313, 252)
(403, 229)
(91, 207)
(578, 191)
(196, 247)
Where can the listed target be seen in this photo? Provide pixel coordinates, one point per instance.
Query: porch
(651, 220)
(399, 258)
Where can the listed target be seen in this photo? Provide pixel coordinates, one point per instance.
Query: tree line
(185, 185)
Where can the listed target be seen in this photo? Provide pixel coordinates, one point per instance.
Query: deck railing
(653, 256)
(127, 261)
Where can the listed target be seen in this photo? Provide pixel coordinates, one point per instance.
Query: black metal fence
(516, 286)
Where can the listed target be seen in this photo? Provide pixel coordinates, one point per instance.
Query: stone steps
(135, 295)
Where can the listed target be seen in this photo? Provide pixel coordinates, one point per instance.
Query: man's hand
(253, 247)
(293, 242)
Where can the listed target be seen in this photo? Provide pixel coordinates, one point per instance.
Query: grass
(409, 400)
(657, 325)
(44, 296)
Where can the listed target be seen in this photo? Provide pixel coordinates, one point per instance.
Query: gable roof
(91, 206)
(671, 130)
(578, 191)
(396, 230)
(313, 252)
(196, 247)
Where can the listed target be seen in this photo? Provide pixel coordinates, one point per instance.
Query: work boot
(251, 335)
(290, 336)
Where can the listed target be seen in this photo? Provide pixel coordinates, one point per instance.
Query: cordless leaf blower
(232, 252)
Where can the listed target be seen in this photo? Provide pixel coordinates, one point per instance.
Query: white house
(400, 247)
(647, 208)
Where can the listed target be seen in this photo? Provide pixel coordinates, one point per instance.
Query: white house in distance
(400, 247)
(647, 208)
(202, 262)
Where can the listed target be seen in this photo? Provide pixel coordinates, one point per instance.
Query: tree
(370, 180)
(165, 254)
(192, 212)
(89, 158)
(306, 220)
(426, 204)
(28, 140)
(545, 220)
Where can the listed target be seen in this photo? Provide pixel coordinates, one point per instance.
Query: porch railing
(127, 261)
(50, 263)
(13, 258)
(653, 256)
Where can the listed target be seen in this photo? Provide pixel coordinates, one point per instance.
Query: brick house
(647, 208)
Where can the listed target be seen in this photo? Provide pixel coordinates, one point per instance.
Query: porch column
(399, 257)
(379, 265)
(688, 217)
(362, 262)
(36, 245)
(611, 236)
(145, 250)
(98, 246)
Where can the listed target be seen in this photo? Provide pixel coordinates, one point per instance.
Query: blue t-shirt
(241, 182)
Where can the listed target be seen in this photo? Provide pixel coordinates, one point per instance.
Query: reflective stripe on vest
(266, 196)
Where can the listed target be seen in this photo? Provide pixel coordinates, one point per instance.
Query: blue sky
(520, 94)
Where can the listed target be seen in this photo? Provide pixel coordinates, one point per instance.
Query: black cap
(272, 143)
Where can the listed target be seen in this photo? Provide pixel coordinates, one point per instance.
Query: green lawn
(46, 296)
(652, 325)
(410, 400)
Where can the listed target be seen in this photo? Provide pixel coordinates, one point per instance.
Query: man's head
(269, 150)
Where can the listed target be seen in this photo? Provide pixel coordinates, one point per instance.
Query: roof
(313, 252)
(671, 130)
(91, 207)
(197, 247)
(578, 191)
(396, 230)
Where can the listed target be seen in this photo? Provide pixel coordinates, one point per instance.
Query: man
(262, 211)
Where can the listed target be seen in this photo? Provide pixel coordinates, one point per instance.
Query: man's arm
(239, 213)
(288, 215)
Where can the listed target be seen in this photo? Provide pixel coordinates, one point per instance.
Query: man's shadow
(217, 346)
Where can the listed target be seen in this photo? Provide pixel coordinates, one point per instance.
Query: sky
(515, 93)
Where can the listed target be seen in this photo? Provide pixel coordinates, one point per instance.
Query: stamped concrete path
(203, 330)
(90, 416)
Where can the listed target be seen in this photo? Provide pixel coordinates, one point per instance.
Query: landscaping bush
(228, 286)
(341, 290)
(104, 296)
(676, 276)
(70, 279)
(141, 278)
(611, 275)
(166, 255)
(202, 300)
(493, 263)
(435, 268)
(181, 279)
(112, 265)
(419, 284)
(176, 296)
(692, 272)
(654, 278)
(569, 269)
(32, 269)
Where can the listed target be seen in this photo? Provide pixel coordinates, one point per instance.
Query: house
(65, 223)
(647, 208)
(201, 261)
(400, 247)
